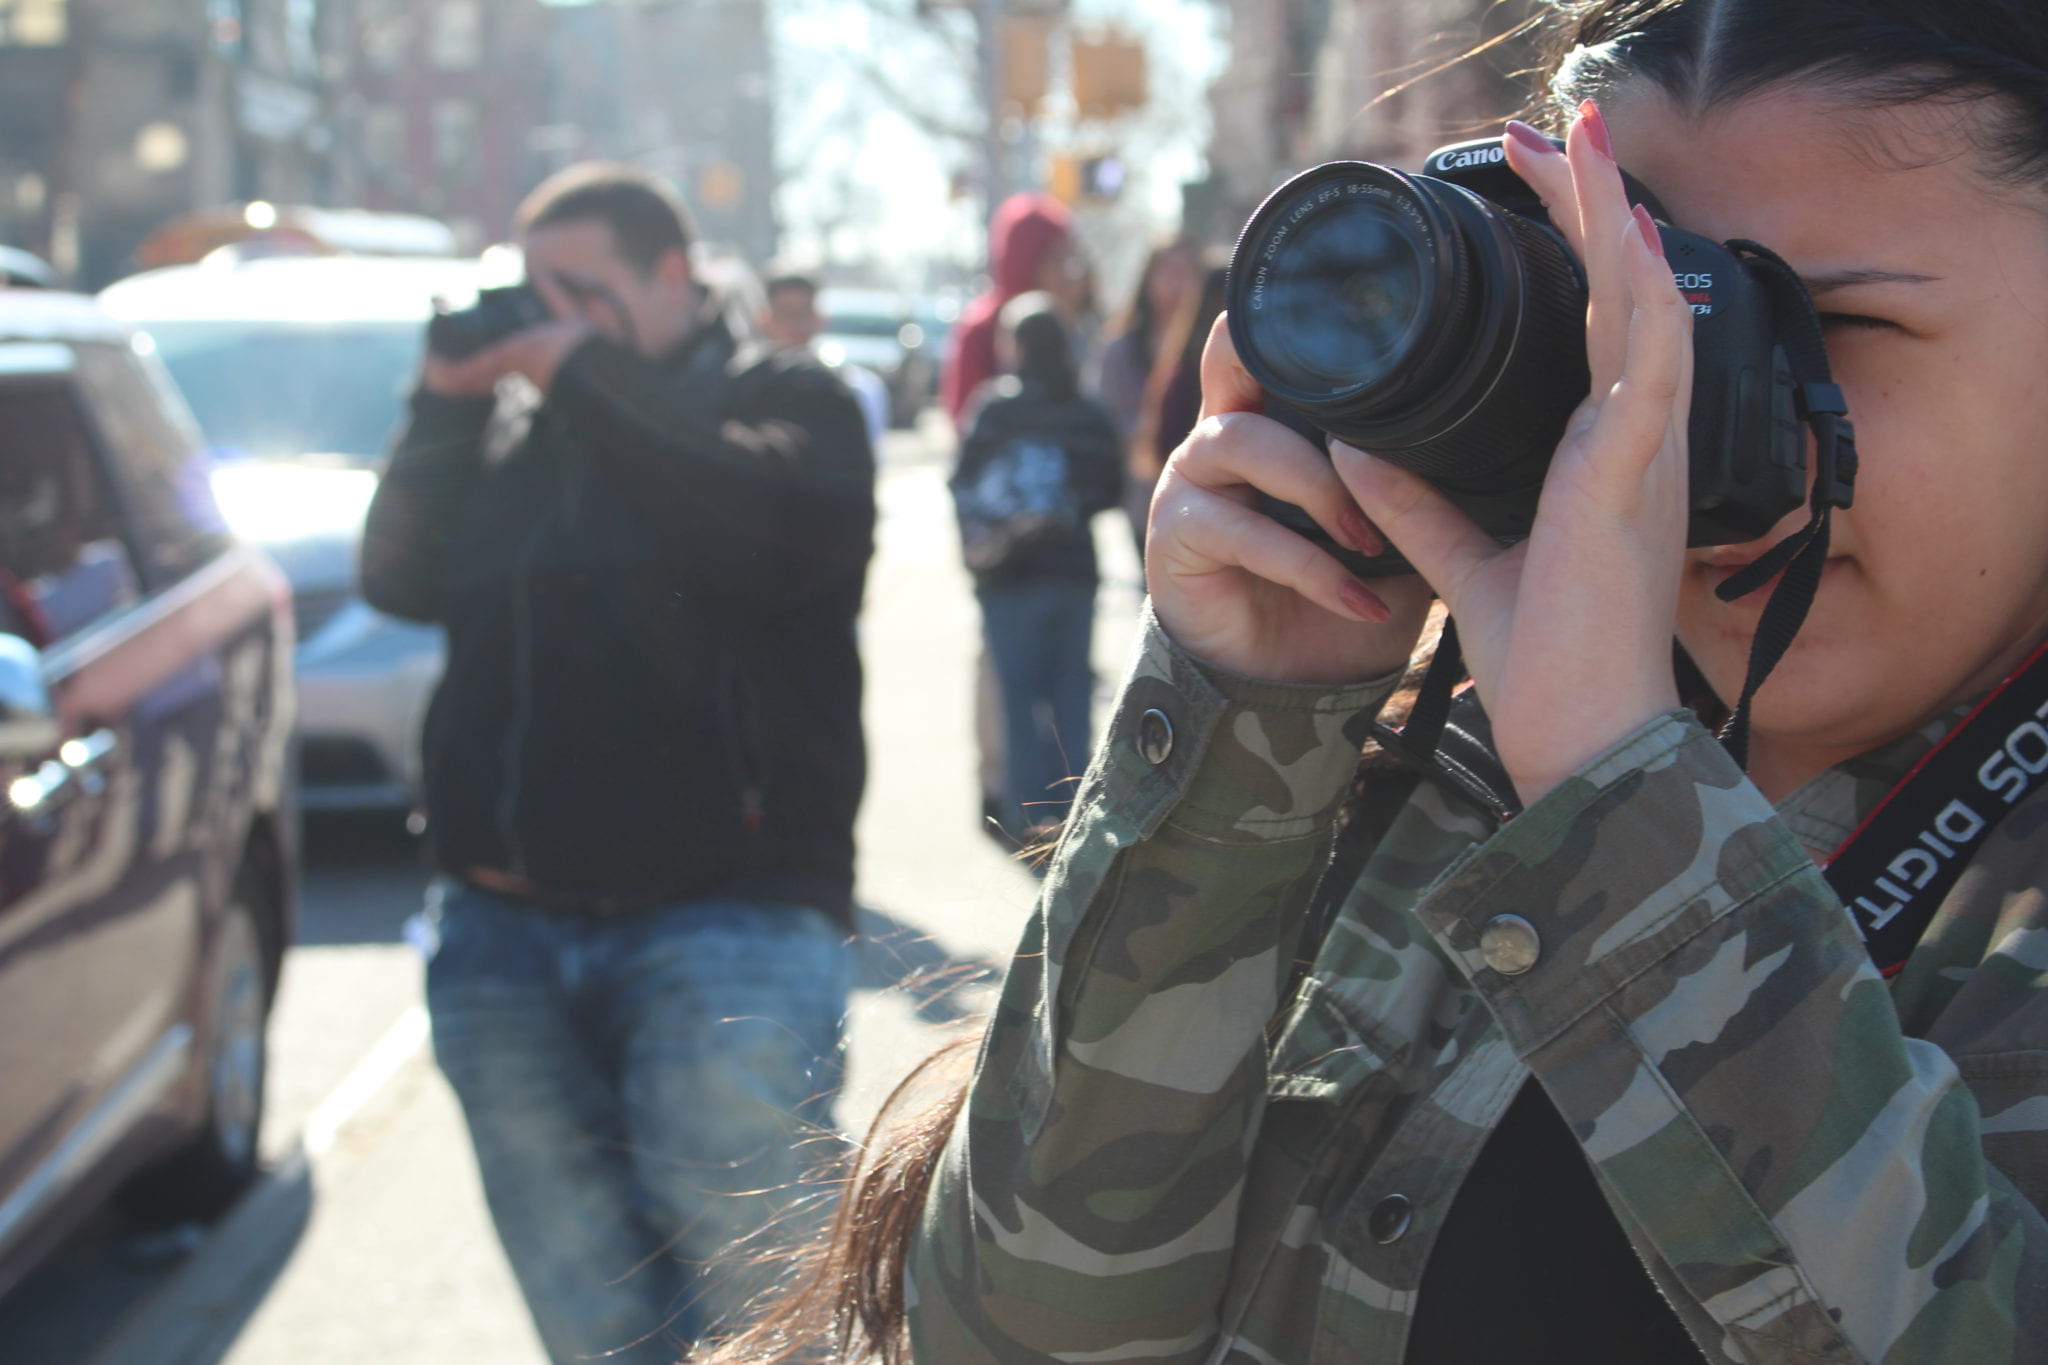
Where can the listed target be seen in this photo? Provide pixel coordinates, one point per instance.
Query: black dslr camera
(496, 314)
(1438, 321)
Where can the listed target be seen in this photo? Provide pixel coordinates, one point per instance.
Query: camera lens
(1347, 297)
(1413, 318)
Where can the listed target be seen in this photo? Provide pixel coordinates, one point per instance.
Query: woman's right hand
(1237, 589)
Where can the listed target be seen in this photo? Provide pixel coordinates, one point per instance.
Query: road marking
(405, 1037)
(198, 1311)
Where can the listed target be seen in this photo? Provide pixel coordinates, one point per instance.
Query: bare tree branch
(926, 121)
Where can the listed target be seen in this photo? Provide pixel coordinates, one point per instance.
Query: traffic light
(1025, 48)
(1109, 74)
(1087, 179)
(1102, 177)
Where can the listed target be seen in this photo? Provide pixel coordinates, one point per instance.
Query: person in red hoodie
(1030, 246)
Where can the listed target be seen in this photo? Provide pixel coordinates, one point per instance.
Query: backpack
(1019, 496)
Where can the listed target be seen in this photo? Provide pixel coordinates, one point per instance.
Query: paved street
(369, 1240)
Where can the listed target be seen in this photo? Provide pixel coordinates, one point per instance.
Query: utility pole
(995, 178)
(61, 208)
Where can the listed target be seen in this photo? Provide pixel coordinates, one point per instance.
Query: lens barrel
(1415, 319)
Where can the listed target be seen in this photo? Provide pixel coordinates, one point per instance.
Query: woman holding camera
(1615, 1079)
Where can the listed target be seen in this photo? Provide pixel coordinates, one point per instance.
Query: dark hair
(1140, 317)
(785, 280)
(1173, 389)
(1702, 53)
(1045, 355)
(845, 1294)
(1871, 53)
(647, 217)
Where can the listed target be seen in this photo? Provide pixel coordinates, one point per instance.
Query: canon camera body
(1438, 321)
(496, 314)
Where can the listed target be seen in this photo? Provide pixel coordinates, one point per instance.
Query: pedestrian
(646, 546)
(1173, 391)
(1136, 339)
(790, 318)
(1040, 459)
(1616, 1079)
(1030, 248)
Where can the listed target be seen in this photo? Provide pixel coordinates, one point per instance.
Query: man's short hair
(783, 281)
(647, 217)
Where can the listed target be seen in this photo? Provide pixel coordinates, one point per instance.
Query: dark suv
(147, 837)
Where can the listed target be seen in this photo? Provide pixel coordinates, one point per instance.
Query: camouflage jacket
(1170, 1155)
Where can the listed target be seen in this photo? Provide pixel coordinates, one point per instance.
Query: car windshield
(293, 389)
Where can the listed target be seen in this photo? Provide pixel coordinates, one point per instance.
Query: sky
(863, 180)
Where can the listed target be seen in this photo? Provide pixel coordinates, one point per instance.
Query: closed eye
(1859, 321)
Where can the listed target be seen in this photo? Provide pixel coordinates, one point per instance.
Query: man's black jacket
(652, 690)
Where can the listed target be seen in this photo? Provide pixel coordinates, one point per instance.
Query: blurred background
(277, 194)
(865, 138)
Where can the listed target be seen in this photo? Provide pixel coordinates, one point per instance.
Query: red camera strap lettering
(1904, 858)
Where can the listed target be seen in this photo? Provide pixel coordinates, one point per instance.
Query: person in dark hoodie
(1030, 248)
(1040, 459)
(647, 545)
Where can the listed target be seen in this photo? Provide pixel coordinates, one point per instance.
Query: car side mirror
(28, 719)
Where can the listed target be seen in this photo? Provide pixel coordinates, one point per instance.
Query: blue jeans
(1039, 634)
(638, 1091)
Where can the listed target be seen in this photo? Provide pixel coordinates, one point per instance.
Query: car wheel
(201, 1179)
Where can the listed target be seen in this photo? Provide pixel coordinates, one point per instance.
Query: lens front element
(1346, 298)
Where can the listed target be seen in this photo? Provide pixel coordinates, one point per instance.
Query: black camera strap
(1894, 870)
(1803, 554)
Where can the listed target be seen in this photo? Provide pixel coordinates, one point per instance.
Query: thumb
(1226, 385)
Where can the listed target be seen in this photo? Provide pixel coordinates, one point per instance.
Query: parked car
(25, 269)
(880, 331)
(298, 369)
(148, 856)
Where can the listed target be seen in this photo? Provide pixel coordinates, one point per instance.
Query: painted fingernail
(1360, 601)
(1596, 129)
(1647, 226)
(1359, 533)
(1529, 139)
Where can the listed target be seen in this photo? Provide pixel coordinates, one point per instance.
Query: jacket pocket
(1321, 1052)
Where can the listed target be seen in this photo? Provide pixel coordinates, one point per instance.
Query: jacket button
(1509, 944)
(1390, 1218)
(1155, 736)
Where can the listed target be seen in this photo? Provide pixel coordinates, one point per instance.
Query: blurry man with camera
(647, 543)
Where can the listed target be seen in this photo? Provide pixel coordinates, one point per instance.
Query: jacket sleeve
(1702, 1012)
(1085, 1206)
(1102, 473)
(434, 469)
(773, 495)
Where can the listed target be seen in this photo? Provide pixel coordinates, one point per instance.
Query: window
(455, 139)
(383, 31)
(458, 35)
(159, 457)
(62, 564)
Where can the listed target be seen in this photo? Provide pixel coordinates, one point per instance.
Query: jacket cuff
(1224, 757)
(440, 417)
(1606, 875)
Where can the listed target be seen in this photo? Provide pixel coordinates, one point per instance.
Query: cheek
(1952, 479)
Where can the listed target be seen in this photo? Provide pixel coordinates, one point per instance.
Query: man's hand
(537, 353)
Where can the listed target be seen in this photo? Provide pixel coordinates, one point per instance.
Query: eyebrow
(1844, 279)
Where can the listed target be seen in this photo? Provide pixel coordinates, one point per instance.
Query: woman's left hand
(1568, 634)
